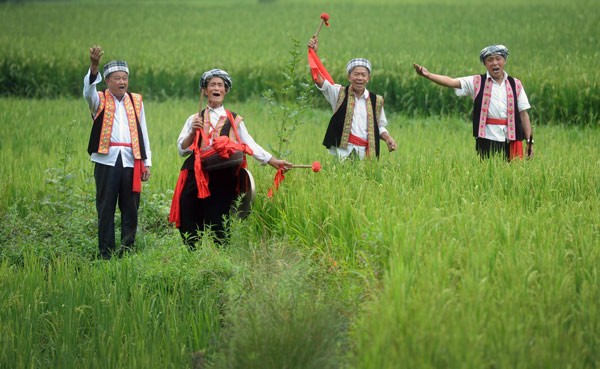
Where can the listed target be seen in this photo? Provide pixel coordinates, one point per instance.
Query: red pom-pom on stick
(316, 166)
(324, 19)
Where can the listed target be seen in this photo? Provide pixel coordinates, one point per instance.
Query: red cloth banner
(316, 67)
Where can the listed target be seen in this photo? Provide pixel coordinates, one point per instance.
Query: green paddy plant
(555, 56)
(288, 103)
(429, 252)
(428, 257)
(66, 314)
(279, 315)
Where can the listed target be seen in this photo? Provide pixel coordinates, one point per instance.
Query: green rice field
(554, 47)
(426, 258)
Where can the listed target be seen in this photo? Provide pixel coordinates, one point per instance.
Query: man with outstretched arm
(500, 118)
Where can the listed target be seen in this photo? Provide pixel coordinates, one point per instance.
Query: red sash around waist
(516, 147)
(357, 141)
(138, 168)
(500, 122)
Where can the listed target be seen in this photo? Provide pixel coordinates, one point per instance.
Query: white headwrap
(358, 62)
(115, 66)
(207, 76)
(493, 50)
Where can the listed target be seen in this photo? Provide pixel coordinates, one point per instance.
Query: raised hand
(95, 55)
(313, 43)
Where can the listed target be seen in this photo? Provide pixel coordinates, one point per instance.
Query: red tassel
(175, 213)
(202, 182)
(201, 177)
(516, 150)
(138, 169)
(279, 177)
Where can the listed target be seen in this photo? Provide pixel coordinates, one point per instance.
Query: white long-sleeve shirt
(359, 119)
(258, 152)
(120, 131)
(498, 104)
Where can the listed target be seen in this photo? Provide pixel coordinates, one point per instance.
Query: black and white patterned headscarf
(207, 76)
(358, 62)
(493, 50)
(115, 66)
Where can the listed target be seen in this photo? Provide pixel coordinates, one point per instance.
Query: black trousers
(114, 184)
(203, 214)
(486, 147)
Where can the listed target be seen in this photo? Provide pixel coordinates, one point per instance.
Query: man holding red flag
(120, 149)
(358, 121)
(204, 196)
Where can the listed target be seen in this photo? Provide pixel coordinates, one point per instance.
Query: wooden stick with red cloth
(279, 177)
(316, 67)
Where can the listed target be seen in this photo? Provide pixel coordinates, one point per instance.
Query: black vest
(520, 135)
(189, 162)
(97, 130)
(333, 135)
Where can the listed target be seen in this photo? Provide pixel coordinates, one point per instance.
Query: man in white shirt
(203, 198)
(358, 121)
(120, 149)
(500, 118)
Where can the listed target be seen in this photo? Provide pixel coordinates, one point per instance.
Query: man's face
(117, 83)
(215, 91)
(495, 66)
(359, 77)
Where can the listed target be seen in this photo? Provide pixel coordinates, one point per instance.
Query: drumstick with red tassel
(324, 19)
(316, 166)
(279, 177)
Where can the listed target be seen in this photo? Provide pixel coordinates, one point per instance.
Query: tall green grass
(425, 258)
(73, 315)
(553, 47)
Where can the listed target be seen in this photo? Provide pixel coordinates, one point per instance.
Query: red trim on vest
(511, 110)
